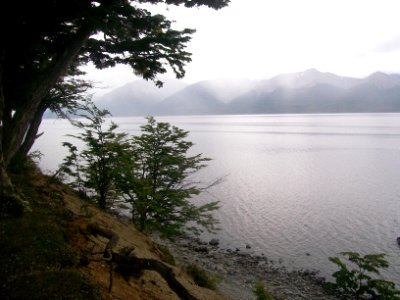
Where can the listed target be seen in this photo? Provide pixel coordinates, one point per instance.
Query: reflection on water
(296, 184)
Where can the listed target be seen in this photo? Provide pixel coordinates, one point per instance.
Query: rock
(248, 246)
(320, 280)
(202, 249)
(214, 242)
(240, 270)
(398, 240)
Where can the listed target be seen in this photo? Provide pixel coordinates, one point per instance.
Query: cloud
(391, 45)
(259, 39)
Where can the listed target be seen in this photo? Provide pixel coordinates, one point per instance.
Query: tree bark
(10, 202)
(37, 90)
(14, 136)
(31, 136)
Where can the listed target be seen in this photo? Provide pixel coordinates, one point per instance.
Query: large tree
(42, 40)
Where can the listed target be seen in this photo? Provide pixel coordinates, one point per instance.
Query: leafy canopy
(94, 168)
(160, 185)
(44, 41)
(151, 173)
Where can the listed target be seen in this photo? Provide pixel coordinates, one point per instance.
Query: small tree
(94, 168)
(158, 187)
(357, 281)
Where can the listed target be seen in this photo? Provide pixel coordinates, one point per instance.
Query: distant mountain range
(303, 92)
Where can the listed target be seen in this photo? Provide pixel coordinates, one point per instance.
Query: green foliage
(37, 260)
(33, 244)
(151, 172)
(36, 61)
(94, 168)
(55, 284)
(166, 255)
(356, 280)
(158, 185)
(201, 278)
(261, 293)
(68, 96)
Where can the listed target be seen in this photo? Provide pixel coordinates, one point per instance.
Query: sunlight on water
(298, 187)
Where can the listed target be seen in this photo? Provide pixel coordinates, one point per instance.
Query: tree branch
(129, 265)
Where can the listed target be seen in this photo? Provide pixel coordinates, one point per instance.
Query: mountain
(144, 98)
(315, 92)
(138, 97)
(226, 89)
(304, 79)
(382, 80)
(310, 91)
(315, 99)
(195, 99)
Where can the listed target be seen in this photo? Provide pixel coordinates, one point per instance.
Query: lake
(298, 188)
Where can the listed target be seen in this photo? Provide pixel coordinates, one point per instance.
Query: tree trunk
(14, 128)
(14, 135)
(30, 137)
(14, 125)
(9, 200)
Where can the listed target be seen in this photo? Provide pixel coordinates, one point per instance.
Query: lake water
(298, 188)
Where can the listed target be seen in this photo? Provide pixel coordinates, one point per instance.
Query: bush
(201, 278)
(34, 243)
(356, 281)
(56, 284)
(261, 293)
(166, 255)
(37, 260)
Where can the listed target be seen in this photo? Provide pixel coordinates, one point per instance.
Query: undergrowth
(261, 293)
(166, 255)
(37, 261)
(201, 278)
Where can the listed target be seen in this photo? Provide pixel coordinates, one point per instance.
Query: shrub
(56, 284)
(261, 293)
(166, 255)
(356, 281)
(201, 278)
(37, 260)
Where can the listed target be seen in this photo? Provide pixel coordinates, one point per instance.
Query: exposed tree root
(129, 265)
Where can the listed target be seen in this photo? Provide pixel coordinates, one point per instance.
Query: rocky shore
(239, 270)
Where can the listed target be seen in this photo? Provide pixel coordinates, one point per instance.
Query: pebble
(241, 270)
(214, 242)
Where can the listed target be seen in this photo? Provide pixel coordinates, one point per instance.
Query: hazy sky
(262, 38)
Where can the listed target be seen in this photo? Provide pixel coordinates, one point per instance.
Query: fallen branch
(96, 229)
(129, 265)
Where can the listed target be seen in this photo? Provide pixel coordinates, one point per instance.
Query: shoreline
(239, 271)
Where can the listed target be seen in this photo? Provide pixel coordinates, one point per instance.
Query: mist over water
(299, 188)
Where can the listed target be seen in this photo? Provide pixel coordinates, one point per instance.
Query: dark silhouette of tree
(43, 40)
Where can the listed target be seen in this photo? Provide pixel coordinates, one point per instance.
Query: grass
(37, 260)
(54, 284)
(166, 255)
(201, 278)
(261, 293)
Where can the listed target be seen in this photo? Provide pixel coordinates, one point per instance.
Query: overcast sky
(262, 38)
